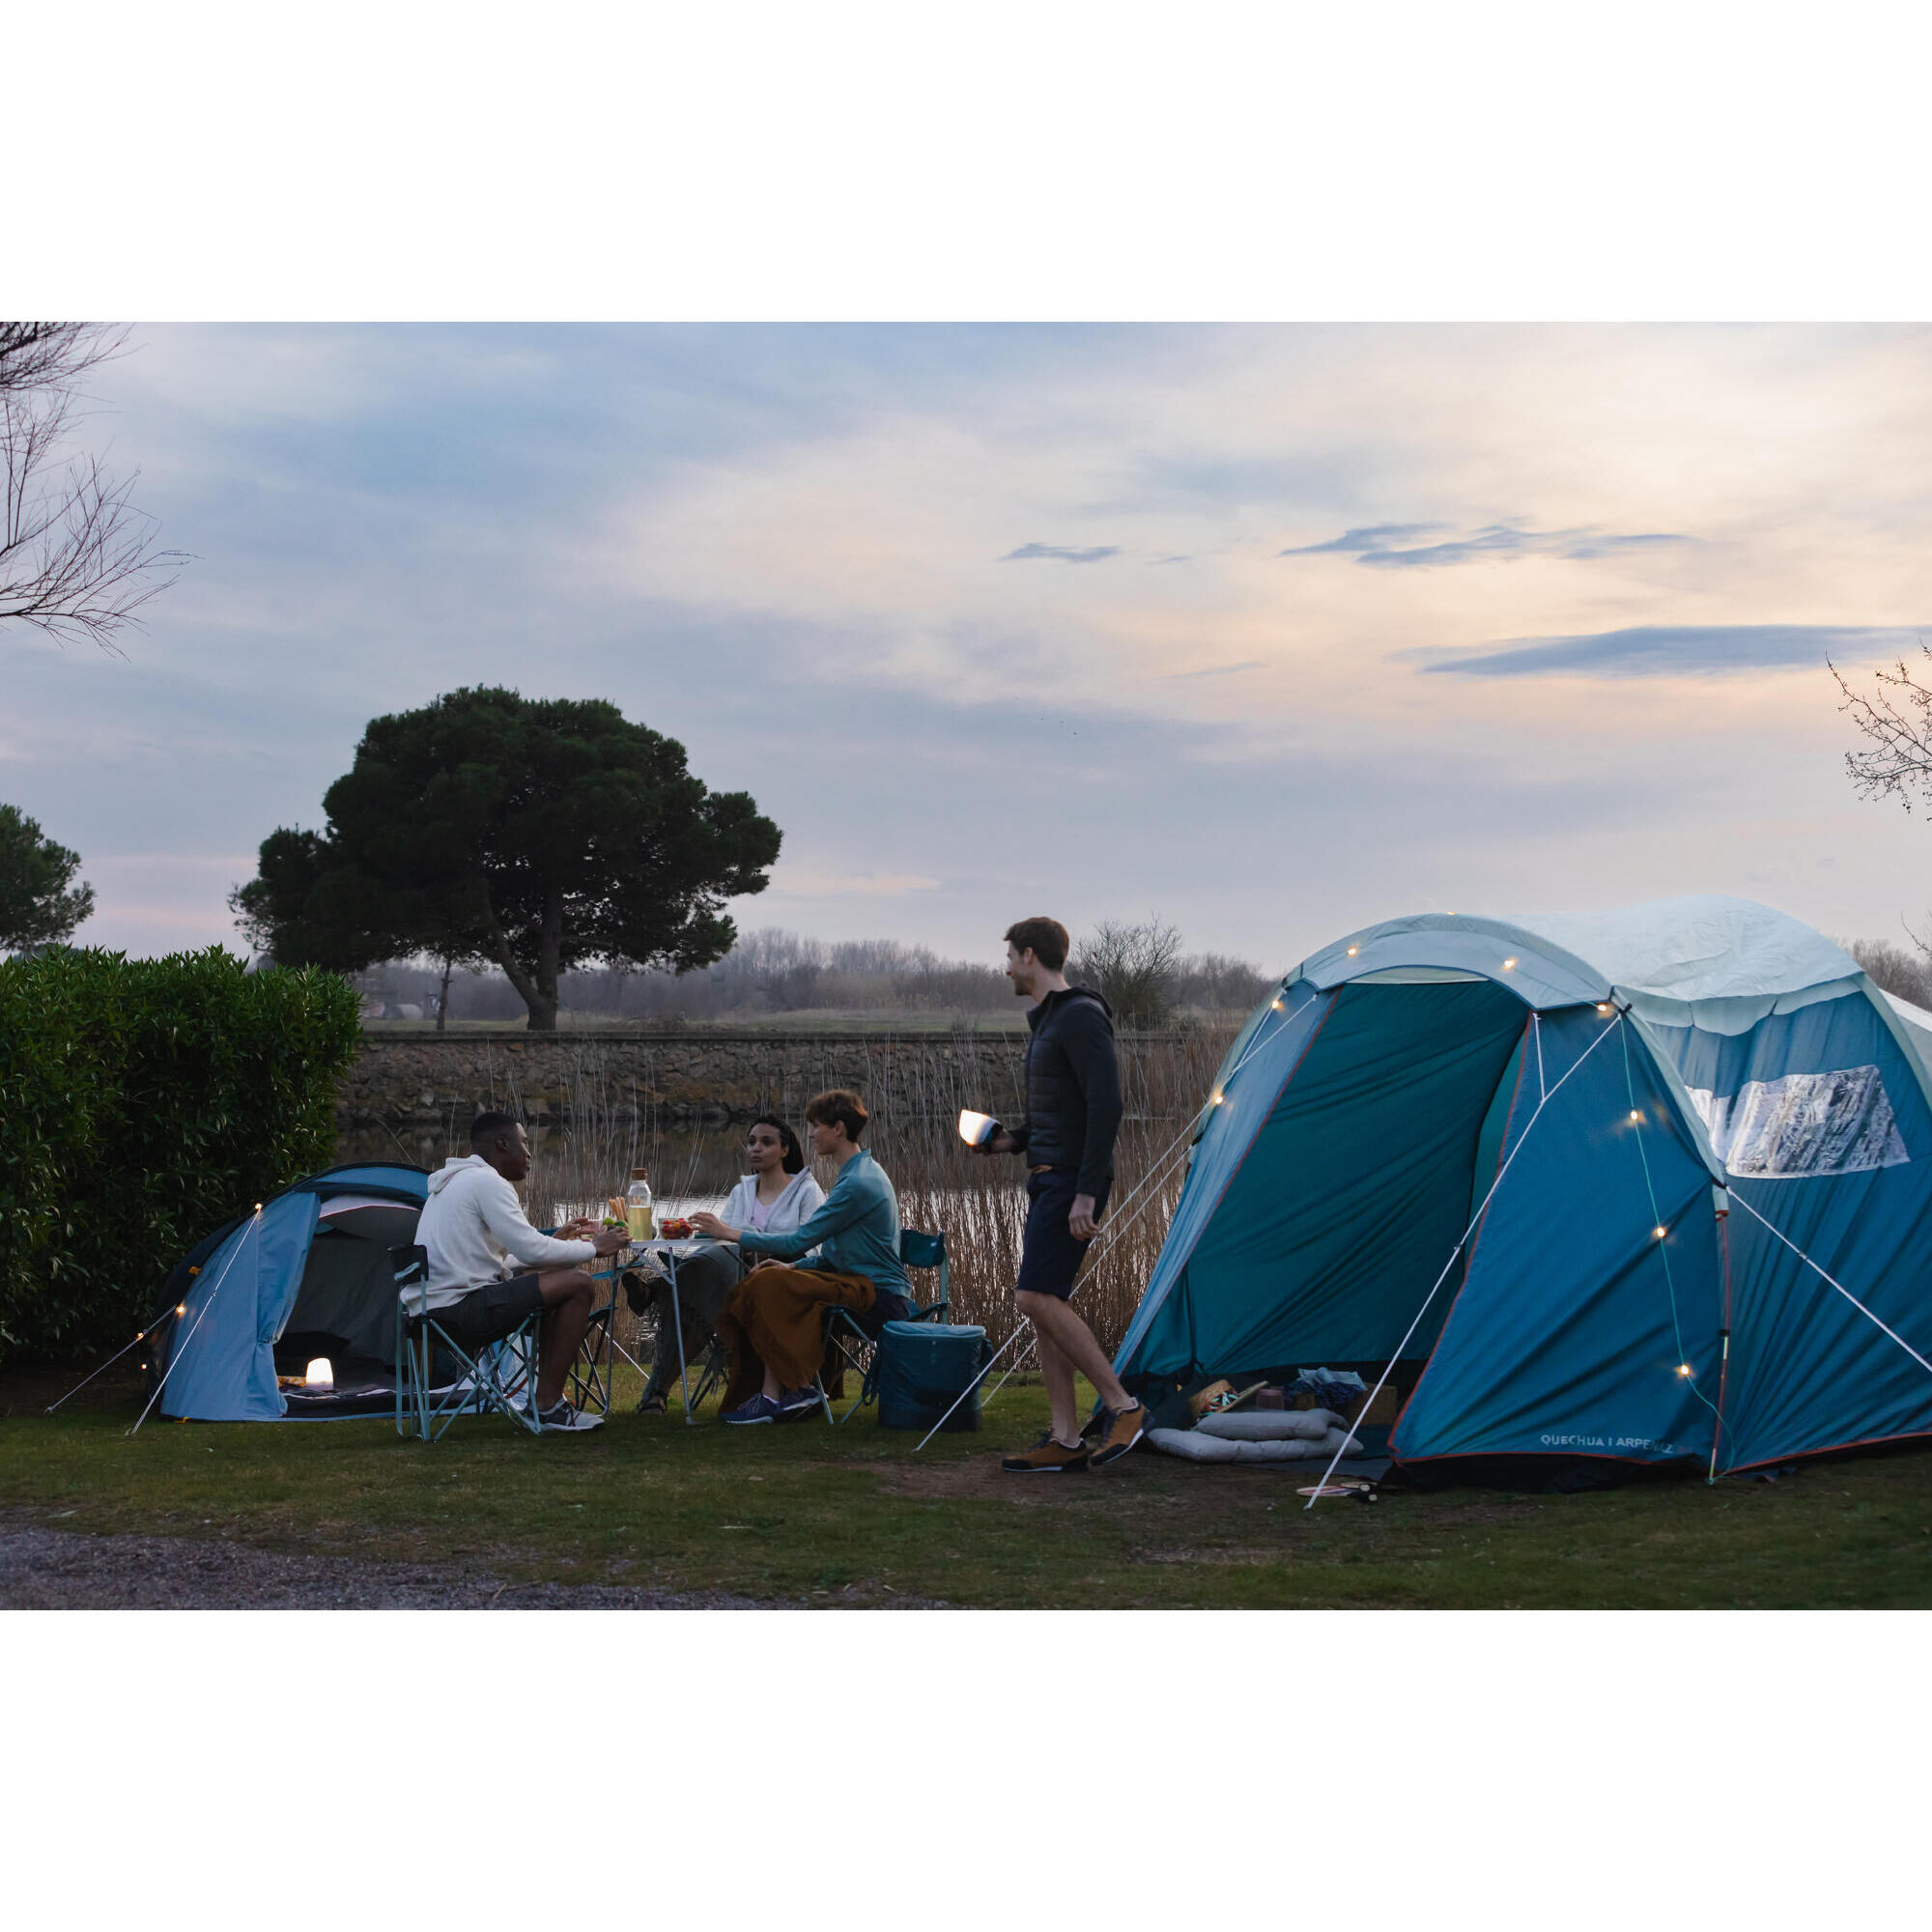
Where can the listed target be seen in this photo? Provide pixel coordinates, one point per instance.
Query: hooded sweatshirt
(802, 1198)
(472, 1226)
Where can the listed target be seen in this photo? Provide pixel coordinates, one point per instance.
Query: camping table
(670, 1253)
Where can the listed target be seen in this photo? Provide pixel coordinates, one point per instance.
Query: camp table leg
(678, 1323)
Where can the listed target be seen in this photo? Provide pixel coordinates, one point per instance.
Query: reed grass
(977, 1202)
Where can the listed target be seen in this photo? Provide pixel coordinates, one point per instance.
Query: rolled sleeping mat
(1272, 1425)
(1196, 1445)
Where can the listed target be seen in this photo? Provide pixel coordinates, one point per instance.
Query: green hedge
(142, 1103)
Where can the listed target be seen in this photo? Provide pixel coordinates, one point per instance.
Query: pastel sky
(1272, 631)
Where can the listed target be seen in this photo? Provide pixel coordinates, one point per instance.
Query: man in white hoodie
(473, 1227)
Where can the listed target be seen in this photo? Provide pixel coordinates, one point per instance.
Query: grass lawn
(802, 1513)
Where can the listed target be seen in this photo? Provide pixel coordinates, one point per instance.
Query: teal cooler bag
(923, 1366)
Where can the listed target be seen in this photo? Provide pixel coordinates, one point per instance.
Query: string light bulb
(1507, 964)
(1218, 1099)
(1603, 1008)
(1637, 1115)
(181, 1308)
(1353, 950)
(1659, 1232)
(1276, 1005)
(1684, 1370)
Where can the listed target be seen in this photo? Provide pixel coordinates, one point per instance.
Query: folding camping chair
(499, 1377)
(859, 1350)
(489, 1380)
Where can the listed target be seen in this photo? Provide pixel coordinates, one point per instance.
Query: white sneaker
(563, 1417)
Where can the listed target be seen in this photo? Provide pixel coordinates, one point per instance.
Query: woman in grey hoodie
(774, 1197)
(780, 1192)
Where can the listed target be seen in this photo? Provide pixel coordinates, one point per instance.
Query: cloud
(1388, 546)
(1222, 670)
(1061, 552)
(1667, 650)
(1371, 538)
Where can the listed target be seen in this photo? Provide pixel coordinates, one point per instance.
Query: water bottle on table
(638, 1206)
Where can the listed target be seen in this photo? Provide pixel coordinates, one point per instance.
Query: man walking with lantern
(1073, 1112)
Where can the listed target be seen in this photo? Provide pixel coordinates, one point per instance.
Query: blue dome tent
(1651, 1187)
(307, 1274)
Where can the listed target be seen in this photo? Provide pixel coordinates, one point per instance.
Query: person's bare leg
(1057, 1324)
(1057, 1372)
(773, 1389)
(566, 1293)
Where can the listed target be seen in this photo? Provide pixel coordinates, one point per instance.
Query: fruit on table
(675, 1228)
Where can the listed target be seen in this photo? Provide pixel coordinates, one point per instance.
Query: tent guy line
(1838, 1285)
(175, 1354)
(1475, 1219)
(143, 1336)
(1161, 1166)
(1026, 1327)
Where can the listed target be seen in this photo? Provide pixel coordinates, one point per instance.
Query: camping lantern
(977, 1129)
(320, 1374)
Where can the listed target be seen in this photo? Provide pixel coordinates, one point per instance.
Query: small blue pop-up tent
(307, 1275)
(1652, 1185)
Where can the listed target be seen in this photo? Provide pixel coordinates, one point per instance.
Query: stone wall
(709, 1078)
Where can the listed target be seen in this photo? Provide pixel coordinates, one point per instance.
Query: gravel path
(45, 1569)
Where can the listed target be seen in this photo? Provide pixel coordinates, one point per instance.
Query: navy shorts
(1050, 1256)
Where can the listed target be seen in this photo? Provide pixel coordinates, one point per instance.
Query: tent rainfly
(307, 1277)
(1651, 1187)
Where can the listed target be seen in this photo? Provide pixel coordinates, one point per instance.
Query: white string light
(1659, 1233)
(181, 1348)
(1508, 1162)
(110, 1362)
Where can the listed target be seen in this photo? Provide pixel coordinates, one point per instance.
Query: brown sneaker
(1125, 1427)
(1046, 1456)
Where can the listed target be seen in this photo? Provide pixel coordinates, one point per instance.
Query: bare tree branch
(1897, 718)
(77, 559)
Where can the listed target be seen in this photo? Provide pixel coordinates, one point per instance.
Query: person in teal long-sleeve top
(776, 1312)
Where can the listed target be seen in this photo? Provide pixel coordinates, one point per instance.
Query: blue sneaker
(797, 1402)
(761, 1408)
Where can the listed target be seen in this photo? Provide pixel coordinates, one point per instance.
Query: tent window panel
(1804, 1123)
(1355, 1192)
(1847, 1079)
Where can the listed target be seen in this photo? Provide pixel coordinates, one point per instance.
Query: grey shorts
(488, 1313)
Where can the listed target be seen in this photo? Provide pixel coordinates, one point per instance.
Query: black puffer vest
(1072, 1087)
